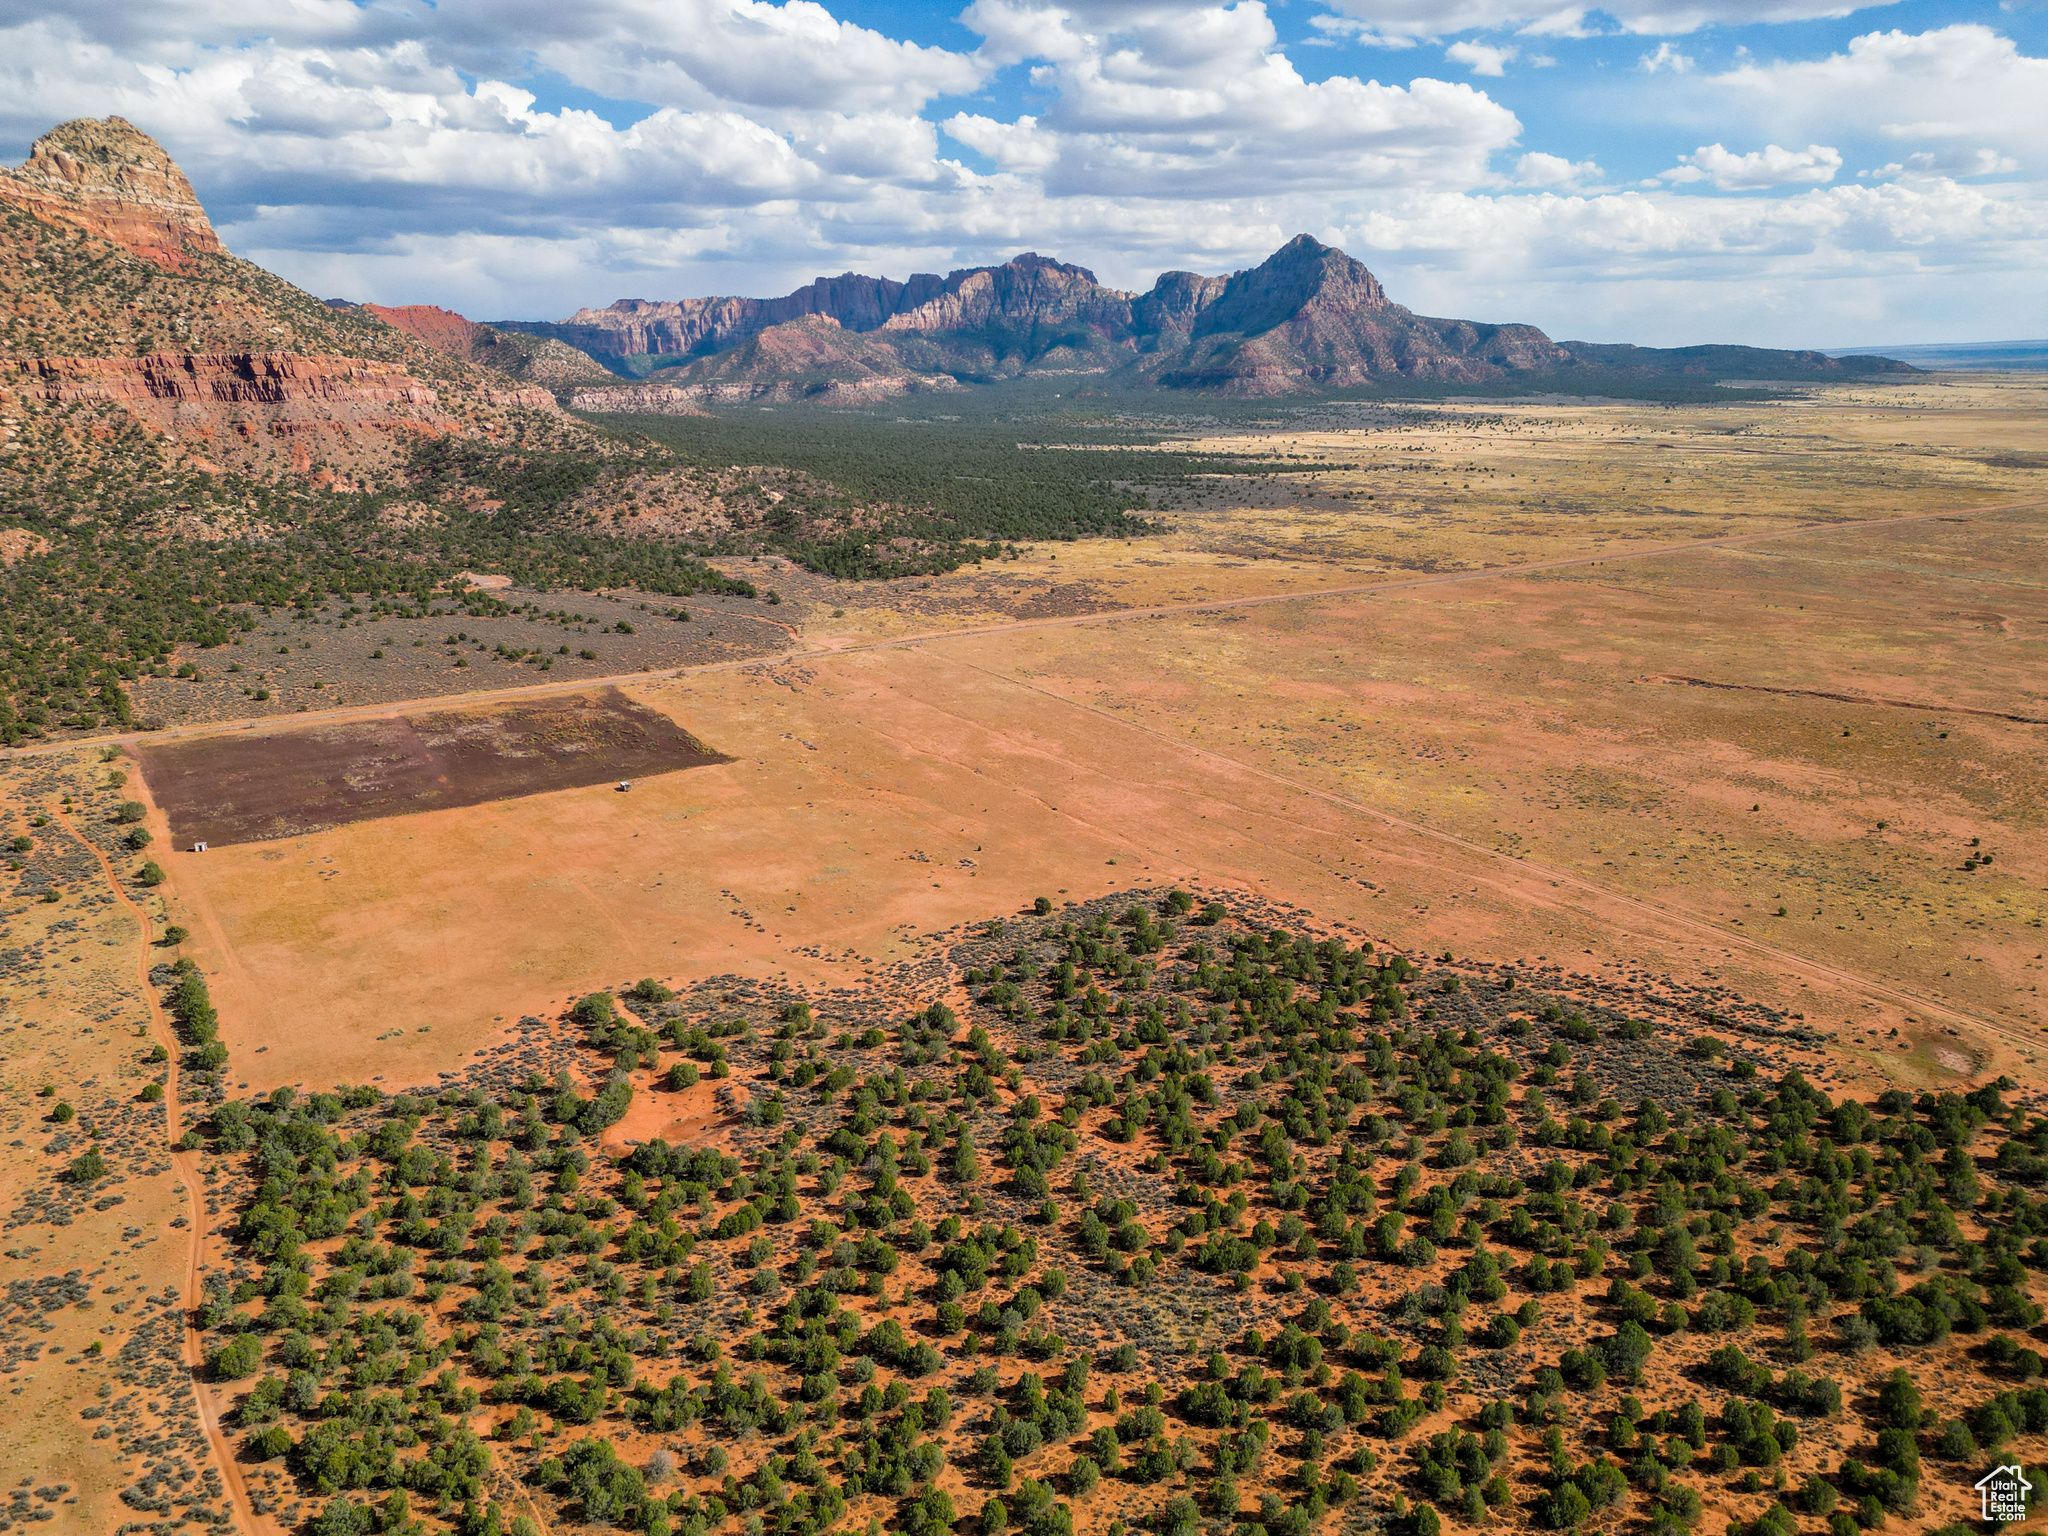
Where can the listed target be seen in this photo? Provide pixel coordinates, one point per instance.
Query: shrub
(87, 1168)
(237, 1358)
(345, 1517)
(1898, 1400)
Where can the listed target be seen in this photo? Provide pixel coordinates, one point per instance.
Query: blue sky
(1593, 103)
(1662, 171)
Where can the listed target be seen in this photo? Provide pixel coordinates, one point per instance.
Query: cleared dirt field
(873, 798)
(254, 788)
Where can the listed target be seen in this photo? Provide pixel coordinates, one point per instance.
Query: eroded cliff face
(112, 180)
(274, 411)
(227, 378)
(442, 329)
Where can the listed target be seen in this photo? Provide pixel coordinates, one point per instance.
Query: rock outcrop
(442, 329)
(120, 300)
(251, 409)
(245, 378)
(111, 179)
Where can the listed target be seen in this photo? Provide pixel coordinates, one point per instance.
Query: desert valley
(987, 903)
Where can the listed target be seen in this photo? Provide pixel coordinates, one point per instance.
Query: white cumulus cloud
(1758, 170)
(1945, 162)
(1961, 86)
(1537, 169)
(1481, 58)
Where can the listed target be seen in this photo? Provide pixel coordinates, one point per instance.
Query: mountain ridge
(1308, 319)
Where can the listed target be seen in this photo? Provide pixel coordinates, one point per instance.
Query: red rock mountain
(1307, 319)
(1312, 317)
(117, 295)
(113, 180)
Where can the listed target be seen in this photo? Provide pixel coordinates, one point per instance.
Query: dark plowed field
(250, 788)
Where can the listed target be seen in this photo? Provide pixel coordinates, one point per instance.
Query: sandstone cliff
(112, 180)
(118, 297)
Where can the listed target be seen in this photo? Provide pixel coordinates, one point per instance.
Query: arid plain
(1580, 758)
(1742, 700)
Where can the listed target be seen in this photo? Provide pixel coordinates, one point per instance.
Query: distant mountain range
(253, 371)
(1964, 356)
(1307, 320)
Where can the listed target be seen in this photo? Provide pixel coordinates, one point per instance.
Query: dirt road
(187, 1166)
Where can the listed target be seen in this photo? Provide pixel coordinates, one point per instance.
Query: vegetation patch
(1143, 1216)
